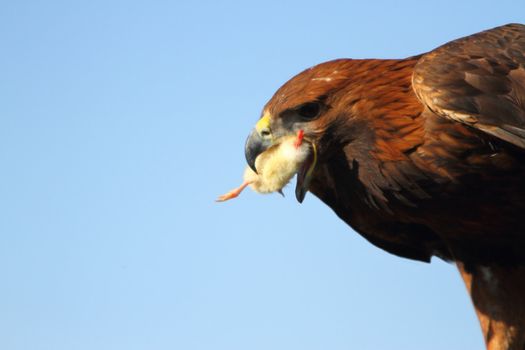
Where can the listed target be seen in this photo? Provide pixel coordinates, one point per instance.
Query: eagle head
(313, 101)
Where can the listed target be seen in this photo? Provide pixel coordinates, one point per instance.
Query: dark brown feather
(478, 80)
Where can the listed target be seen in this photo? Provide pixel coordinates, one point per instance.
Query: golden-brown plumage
(424, 156)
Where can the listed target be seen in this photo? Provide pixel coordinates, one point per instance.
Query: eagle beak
(304, 176)
(259, 140)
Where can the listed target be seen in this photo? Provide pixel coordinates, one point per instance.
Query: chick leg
(233, 193)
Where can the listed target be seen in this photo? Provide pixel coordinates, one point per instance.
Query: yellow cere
(263, 123)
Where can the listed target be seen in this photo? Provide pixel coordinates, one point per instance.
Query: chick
(275, 167)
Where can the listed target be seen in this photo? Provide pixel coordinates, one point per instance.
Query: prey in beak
(272, 164)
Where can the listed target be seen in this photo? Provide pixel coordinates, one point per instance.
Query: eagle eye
(309, 110)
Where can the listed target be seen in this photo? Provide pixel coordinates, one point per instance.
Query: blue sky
(120, 123)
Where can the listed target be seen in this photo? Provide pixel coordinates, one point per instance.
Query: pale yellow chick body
(275, 167)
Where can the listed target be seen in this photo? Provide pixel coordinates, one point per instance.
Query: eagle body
(417, 184)
(424, 156)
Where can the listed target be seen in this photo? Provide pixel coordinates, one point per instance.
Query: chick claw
(233, 193)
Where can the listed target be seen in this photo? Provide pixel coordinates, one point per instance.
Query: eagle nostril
(265, 133)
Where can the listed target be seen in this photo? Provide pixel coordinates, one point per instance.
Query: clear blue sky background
(121, 121)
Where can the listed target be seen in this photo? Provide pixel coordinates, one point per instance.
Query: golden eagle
(423, 156)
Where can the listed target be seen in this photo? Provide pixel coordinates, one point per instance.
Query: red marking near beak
(299, 141)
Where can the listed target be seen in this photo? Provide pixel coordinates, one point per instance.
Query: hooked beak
(304, 176)
(259, 140)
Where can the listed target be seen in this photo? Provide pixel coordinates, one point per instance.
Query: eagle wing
(478, 80)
